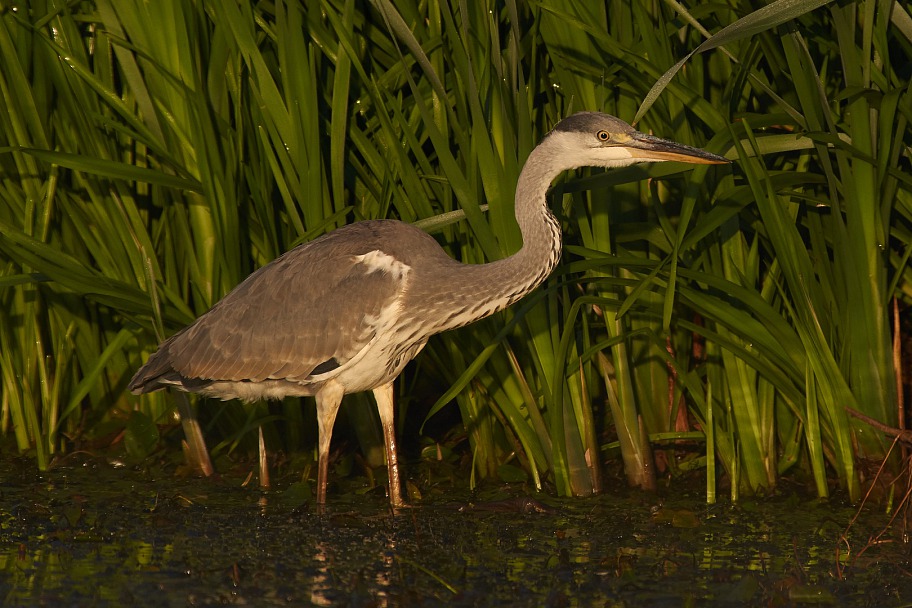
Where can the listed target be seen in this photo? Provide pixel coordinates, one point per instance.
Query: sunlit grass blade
(761, 20)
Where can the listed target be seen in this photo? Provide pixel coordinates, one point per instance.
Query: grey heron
(346, 312)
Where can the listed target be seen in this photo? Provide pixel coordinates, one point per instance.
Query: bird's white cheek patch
(377, 261)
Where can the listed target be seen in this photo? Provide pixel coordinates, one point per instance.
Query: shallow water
(95, 535)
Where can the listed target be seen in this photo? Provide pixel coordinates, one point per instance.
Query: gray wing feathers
(305, 308)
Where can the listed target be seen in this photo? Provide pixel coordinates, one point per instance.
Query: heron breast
(381, 363)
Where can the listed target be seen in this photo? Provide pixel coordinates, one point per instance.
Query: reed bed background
(154, 154)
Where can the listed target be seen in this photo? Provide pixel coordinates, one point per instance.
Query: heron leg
(384, 396)
(329, 398)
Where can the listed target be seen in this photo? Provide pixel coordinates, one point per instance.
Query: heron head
(600, 140)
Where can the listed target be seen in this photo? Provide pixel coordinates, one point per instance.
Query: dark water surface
(95, 535)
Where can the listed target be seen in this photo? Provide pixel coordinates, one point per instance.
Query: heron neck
(540, 230)
(475, 291)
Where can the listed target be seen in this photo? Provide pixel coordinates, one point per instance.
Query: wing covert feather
(311, 305)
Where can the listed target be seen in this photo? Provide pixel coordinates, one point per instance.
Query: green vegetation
(153, 154)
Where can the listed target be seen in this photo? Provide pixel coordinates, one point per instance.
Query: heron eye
(603, 135)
